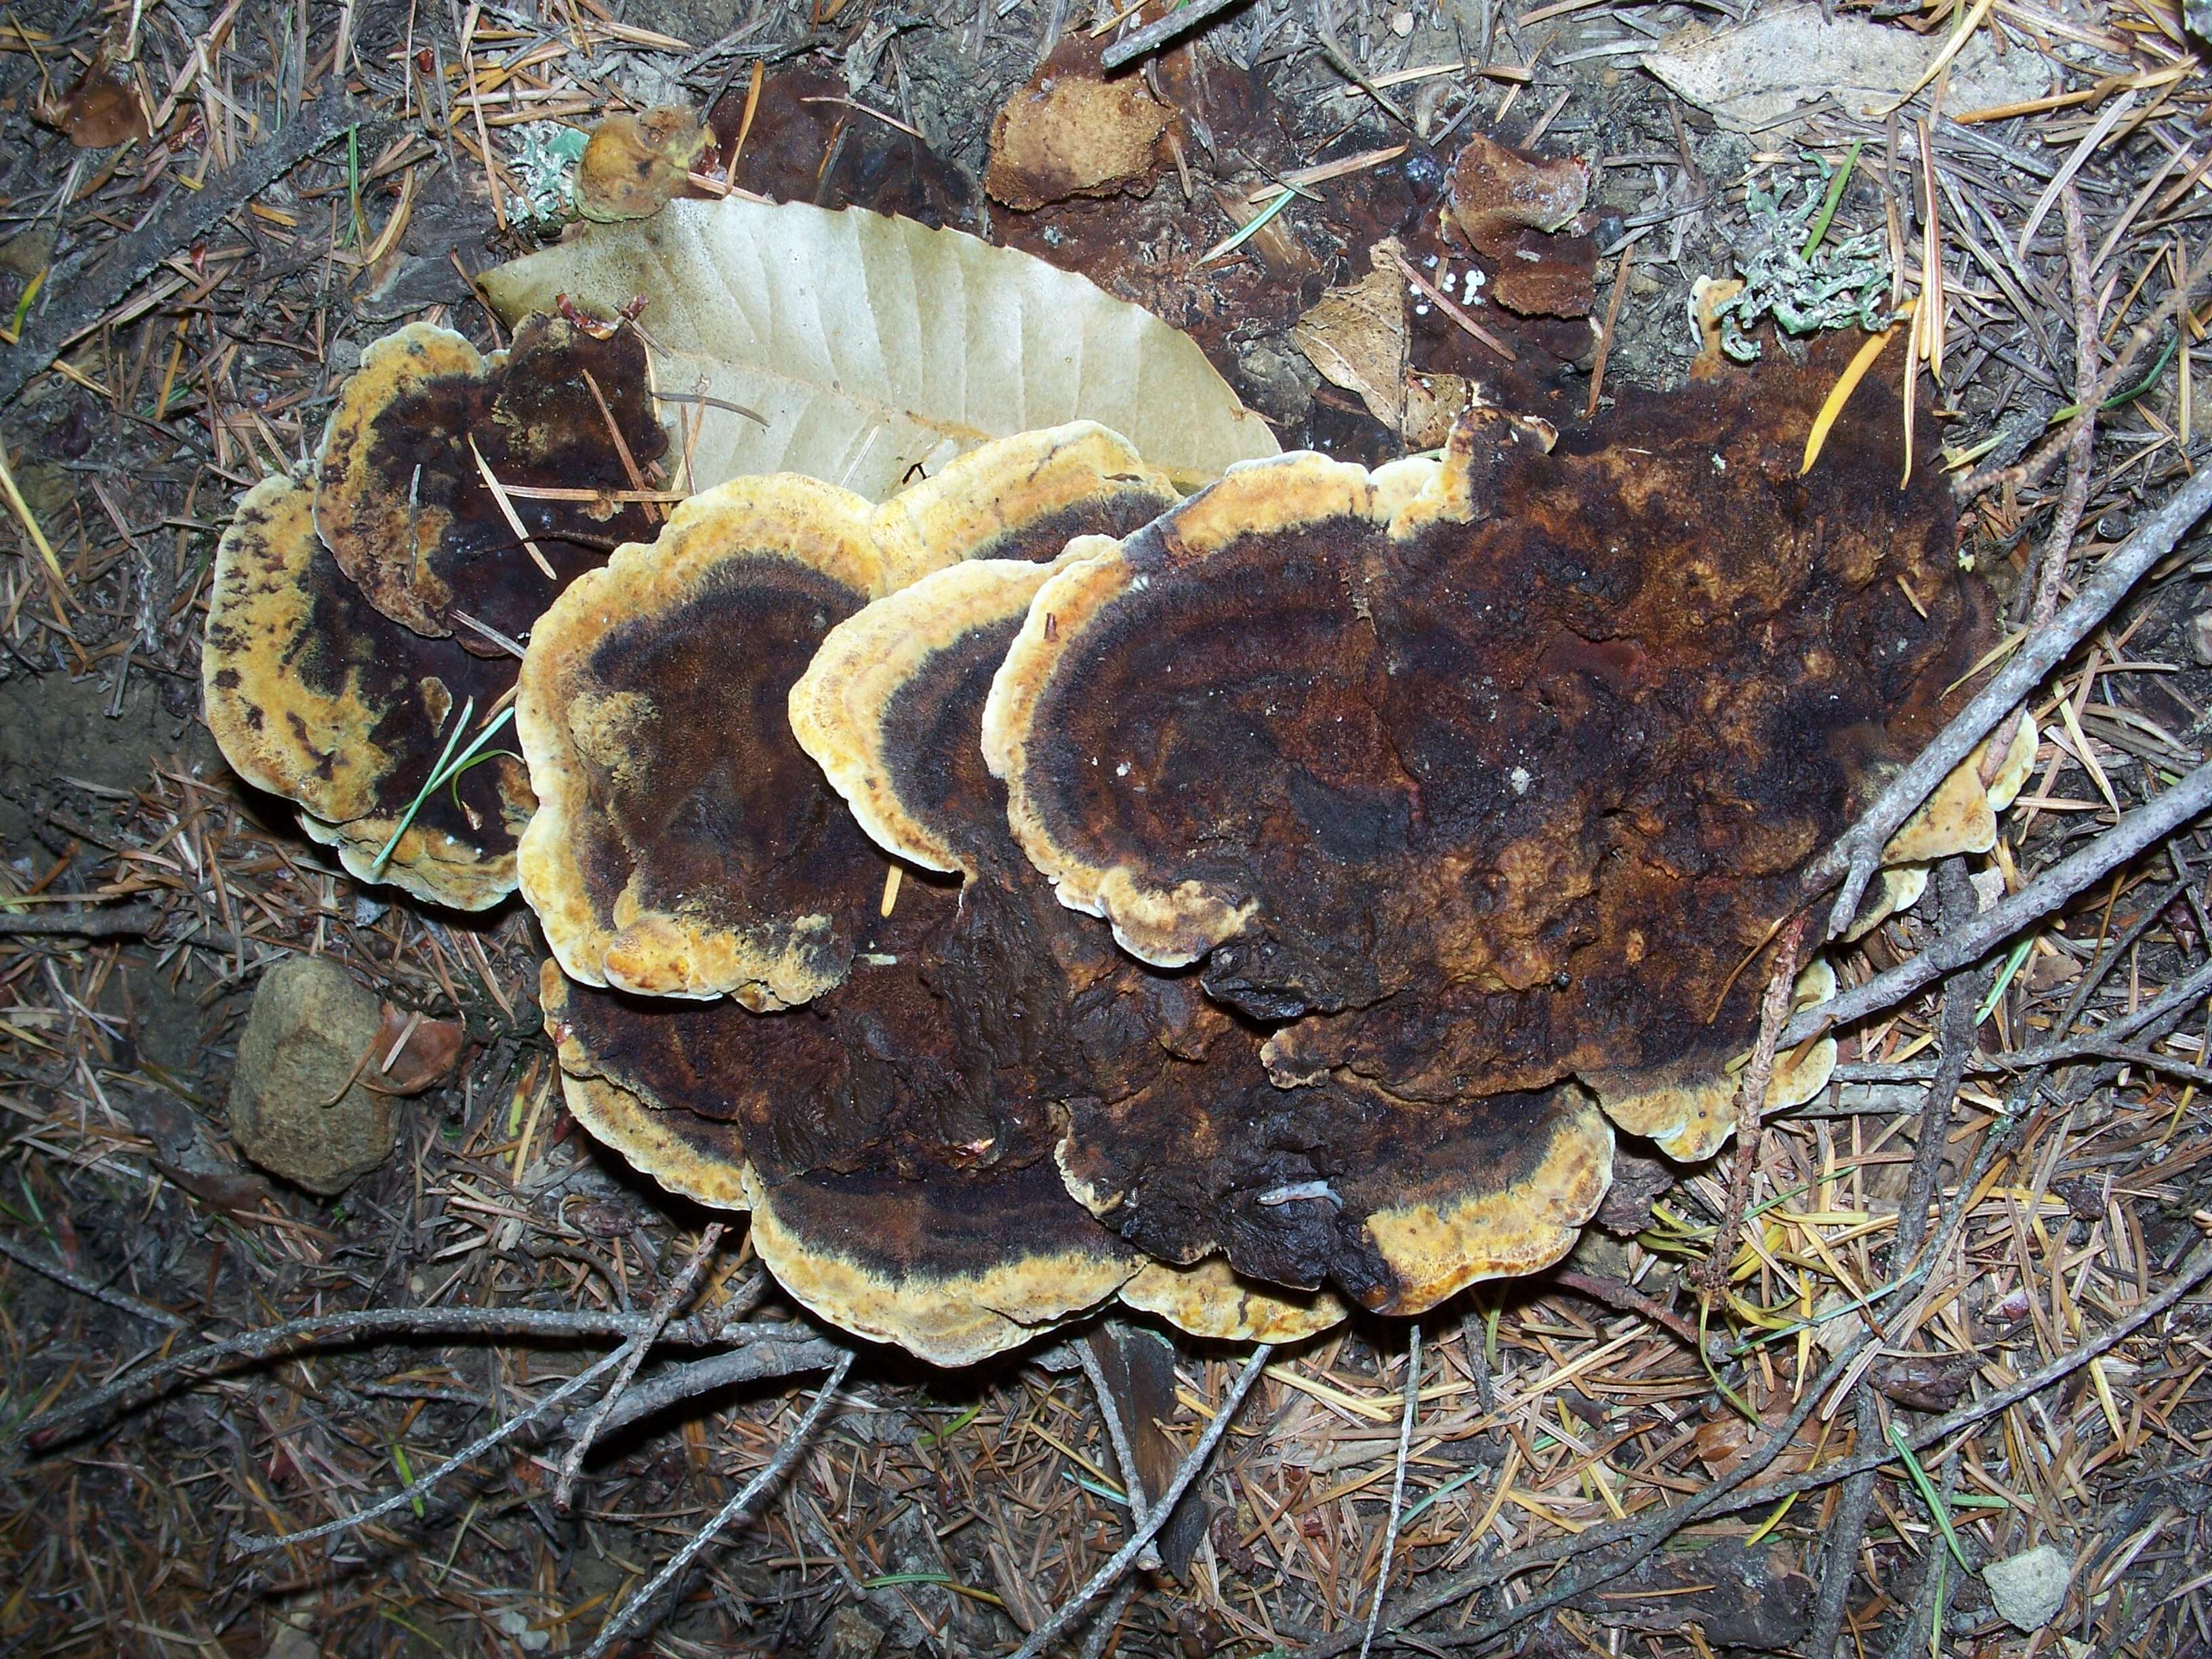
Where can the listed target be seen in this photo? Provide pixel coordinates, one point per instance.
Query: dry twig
(2143, 827)
(1125, 1558)
(787, 1456)
(633, 1353)
(1854, 857)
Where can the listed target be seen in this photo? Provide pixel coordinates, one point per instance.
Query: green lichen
(1806, 284)
(544, 161)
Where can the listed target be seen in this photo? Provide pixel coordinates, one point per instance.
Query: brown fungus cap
(684, 845)
(888, 1194)
(893, 1191)
(1512, 208)
(632, 165)
(888, 709)
(894, 1136)
(1688, 1107)
(1177, 1136)
(1508, 783)
(1072, 133)
(1395, 1204)
(315, 696)
(401, 499)
(1040, 1007)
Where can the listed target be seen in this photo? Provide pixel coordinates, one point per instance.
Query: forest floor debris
(1932, 1352)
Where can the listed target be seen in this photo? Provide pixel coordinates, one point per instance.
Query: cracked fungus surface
(315, 696)
(1302, 1189)
(401, 499)
(1478, 783)
(894, 1137)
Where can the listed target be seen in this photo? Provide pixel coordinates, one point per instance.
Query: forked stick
(1125, 1558)
(786, 1454)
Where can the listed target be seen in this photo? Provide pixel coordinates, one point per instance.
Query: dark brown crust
(895, 1190)
(685, 845)
(1177, 1137)
(315, 696)
(954, 1253)
(894, 1137)
(1396, 1204)
(402, 505)
(1509, 791)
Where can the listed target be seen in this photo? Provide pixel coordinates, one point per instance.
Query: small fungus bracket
(315, 696)
(424, 475)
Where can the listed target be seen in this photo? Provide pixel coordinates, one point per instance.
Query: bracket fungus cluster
(1496, 779)
(750, 1000)
(363, 610)
(1039, 888)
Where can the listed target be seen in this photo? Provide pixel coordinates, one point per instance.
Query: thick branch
(770, 1351)
(50, 1428)
(131, 922)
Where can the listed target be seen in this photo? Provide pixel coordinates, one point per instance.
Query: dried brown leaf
(634, 164)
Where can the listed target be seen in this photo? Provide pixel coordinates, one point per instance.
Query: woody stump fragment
(297, 1106)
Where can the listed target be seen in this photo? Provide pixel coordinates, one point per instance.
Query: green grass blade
(430, 786)
(1258, 222)
(1929, 1495)
(1835, 195)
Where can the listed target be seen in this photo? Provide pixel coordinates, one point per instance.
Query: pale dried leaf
(1753, 75)
(869, 345)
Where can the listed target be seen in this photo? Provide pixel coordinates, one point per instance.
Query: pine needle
(1251, 228)
(447, 768)
(1936, 1505)
(23, 510)
(1847, 383)
(1827, 212)
(1952, 48)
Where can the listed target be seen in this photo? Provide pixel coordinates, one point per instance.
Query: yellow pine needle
(745, 122)
(1952, 48)
(506, 510)
(2107, 1404)
(23, 510)
(1847, 383)
(1769, 1524)
(2003, 648)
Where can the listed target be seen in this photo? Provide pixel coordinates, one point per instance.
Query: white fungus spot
(1296, 1190)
